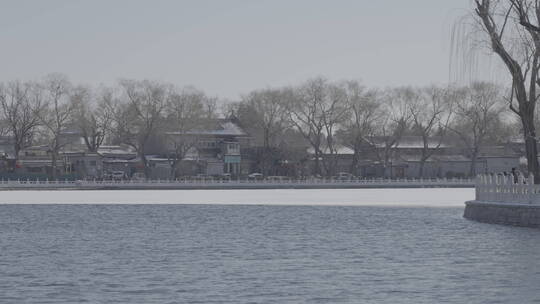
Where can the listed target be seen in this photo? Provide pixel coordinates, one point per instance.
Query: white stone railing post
(483, 188)
(531, 189)
(477, 187)
(506, 189)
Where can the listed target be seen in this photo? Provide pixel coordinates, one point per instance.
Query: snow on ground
(431, 197)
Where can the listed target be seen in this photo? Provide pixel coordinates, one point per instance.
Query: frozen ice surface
(431, 197)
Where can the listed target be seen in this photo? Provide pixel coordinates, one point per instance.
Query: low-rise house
(36, 162)
(115, 158)
(412, 145)
(502, 158)
(160, 167)
(72, 140)
(404, 159)
(286, 155)
(7, 146)
(500, 163)
(73, 160)
(80, 163)
(377, 158)
(214, 149)
(441, 157)
(7, 155)
(84, 165)
(338, 161)
(436, 166)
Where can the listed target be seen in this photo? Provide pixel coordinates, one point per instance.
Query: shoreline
(510, 214)
(404, 197)
(37, 187)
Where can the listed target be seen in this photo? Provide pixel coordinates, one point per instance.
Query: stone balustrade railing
(238, 183)
(507, 189)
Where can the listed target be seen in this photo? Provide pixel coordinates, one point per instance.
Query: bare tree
(513, 31)
(430, 115)
(4, 127)
(478, 110)
(93, 115)
(365, 110)
(210, 105)
(306, 116)
(56, 115)
(315, 112)
(186, 112)
(268, 111)
(139, 116)
(392, 123)
(21, 103)
(335, 111)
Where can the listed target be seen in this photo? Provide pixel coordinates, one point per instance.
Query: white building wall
(214, 168)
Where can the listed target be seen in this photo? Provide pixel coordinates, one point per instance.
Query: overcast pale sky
(229, 47)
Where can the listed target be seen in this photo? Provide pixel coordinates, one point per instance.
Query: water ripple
(261, 254)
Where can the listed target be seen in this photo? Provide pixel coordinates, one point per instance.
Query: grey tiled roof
(219, 127)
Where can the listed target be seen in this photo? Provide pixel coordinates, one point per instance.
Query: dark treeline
(134, 113)
(329, 115)
(318, 114)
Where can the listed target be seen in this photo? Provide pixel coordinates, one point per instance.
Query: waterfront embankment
(505, 200)
(234, 184)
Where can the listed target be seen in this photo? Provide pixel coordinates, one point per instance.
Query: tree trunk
(526, 98)
(532, 157)
(317, 162)
(53, 165)
(266, 162)
(17, 149)
(421, 168)
(172, 173)
(325, 166)
(145, 165)
(331, 165)
(474, 156)
(531, 145)
(89, 145)
(354, 163)
(266, 148)
(387, 173)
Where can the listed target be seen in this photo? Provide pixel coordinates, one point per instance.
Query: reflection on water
(261, 254)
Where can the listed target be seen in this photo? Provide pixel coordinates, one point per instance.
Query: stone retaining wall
(524, 215)
(232, 184)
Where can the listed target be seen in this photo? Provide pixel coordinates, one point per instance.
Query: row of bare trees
(330, 115)
(510, 30)
(134, 113)
(324, 115)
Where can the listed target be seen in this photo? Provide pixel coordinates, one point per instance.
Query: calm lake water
(262, 254)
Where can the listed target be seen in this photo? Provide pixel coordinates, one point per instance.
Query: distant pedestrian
(515, 174)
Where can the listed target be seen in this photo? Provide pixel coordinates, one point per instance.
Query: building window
(233, 148)
(207, 144)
